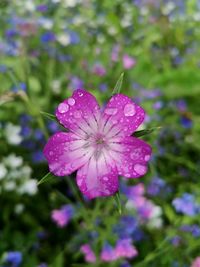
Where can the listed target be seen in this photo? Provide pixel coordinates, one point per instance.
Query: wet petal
(121, 116)
(97, 178)
(79, 113)
(134, 157)
(65, 153)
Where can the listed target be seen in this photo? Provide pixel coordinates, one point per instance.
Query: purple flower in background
(108, 253)
(63, 215)
(99, 70)
(99, 144)
(186, 205)
(128, 61)
(14, 257)
(155, 186)
(196, 262)
(42, 8)
(124, 249)
(88, 253)
(75, 82)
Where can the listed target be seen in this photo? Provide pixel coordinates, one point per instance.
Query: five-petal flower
(98, 143)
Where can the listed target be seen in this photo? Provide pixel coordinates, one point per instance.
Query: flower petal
(97, 178)
(79, 113)
(122, 116)
(65, 153)
(135, 154)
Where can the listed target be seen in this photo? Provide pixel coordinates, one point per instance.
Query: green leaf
(48, 115)
(146, 131)
(47, 178)
(118, 85)
(118, 202)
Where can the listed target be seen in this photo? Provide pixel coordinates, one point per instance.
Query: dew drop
(71, 101)
(111, 111)
(80, 94)
(50, 153)
(63, 107)
(136, 154)
(140, 169)
(79, 182)
(77, 114)
(129, 110)
(105, 178)
(147, 157)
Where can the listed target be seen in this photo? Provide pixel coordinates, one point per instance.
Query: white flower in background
(12, 134)
(168, 8)
(29, 187)
(70, 3)
(46, 23)
(19, 208)
(155, 220)
(13, 161)
(3, 171)
(29, 5)
(9, 186)
(26, 171)
(64, 39)
(56, 87)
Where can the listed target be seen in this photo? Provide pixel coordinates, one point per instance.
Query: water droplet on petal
(77, 114)
(63, 107)
(147, 157)
(111, 111)
(105, 178)
(129, 110)
(71, 101)
(50, 153)
(136, 154)
(140, 169)
(79, 182)
(80, 94)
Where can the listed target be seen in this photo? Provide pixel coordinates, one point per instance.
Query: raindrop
(71, 101)
(140, 169)
(77, 114)
(129, 110)
(147, 157)
(80, 94)
(111, 111)
(79, 182)
(105, 178)
(63, 107)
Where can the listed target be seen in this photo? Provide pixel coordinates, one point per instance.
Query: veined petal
(79, 113)
(121, 116)
(65, 153)
(134, 157)
(97, 179)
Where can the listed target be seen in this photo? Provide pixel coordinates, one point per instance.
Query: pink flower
(89, 254)
(108, 253)
(98, 143)
(62, 216)
(128, 62)
(196, 262)
(125, 249)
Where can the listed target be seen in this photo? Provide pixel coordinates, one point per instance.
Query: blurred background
(47, 50)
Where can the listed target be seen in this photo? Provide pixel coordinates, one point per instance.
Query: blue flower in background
(47, 37)
(20, 86)
(186, 205)
(14, 257)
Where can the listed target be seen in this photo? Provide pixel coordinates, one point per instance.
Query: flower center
(99, 139)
